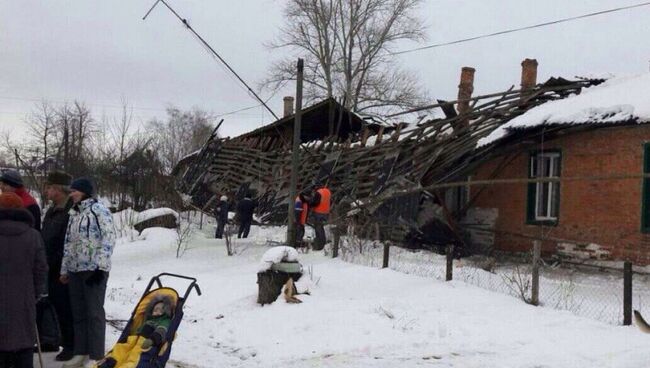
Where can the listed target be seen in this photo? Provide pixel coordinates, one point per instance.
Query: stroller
(128, 351)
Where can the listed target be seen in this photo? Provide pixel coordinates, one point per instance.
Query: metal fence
(595, 292)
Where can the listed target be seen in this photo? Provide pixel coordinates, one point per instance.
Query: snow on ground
(619, 99)
(154, 212)
(587, 292)
(356, 316)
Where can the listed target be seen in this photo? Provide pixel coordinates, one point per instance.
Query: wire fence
(595, 292)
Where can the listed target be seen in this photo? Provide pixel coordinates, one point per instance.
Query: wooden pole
(627, 293)
(295, 157)
(337, 240)
(537, 251)
(386, 255)
(450, 262)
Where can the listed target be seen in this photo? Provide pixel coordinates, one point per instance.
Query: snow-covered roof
(618, 100)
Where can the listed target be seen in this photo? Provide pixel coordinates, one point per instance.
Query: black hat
(83, 185)
(58, 178)
(12, 178)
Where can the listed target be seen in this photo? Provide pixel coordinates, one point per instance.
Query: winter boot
(91, 363)
(65, 355)
(77, 361)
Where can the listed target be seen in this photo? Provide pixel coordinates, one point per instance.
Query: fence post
(537, 251)
(627, 293)
(450, 262)
(386, 254)
(337, 239)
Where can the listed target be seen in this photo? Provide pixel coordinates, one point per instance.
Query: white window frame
(553, 187)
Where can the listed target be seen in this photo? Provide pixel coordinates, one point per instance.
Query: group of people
(314, 204)
(65, 262)
(244, 215)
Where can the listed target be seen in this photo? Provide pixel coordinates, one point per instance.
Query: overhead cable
(564, 20)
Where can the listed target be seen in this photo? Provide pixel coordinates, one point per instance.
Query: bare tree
(74, 125)
(347, 45)
(184, 232)
(181, 134)
(42, 126)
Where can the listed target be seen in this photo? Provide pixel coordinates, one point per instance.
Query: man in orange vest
(301, 210)
(320, 209)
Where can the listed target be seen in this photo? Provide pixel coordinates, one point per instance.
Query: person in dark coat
(23, 271)
(245, 211)
(55, 225)
(301, 210)
(12, 182)
(221, 214)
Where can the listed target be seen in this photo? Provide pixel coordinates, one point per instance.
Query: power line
(213, 52)
(129, 107)
(59, 102)
(521, 28)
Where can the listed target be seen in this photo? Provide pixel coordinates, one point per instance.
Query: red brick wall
(606, 213)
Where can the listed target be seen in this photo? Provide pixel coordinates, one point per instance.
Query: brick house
(594, 147)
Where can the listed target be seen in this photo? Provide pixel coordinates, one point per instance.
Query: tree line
(130, 162)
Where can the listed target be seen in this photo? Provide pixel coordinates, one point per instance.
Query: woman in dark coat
(23, 278)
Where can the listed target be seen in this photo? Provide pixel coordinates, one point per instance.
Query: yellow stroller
(129, 351)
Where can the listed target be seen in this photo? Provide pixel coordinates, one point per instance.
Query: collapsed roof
(379, 174)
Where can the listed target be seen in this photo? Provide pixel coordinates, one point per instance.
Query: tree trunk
(270, 285)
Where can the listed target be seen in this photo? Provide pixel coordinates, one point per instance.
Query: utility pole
(295, 157)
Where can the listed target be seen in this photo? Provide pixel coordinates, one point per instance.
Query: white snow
(355, 316)
(617, 100)
(277, 255)
(153, 213)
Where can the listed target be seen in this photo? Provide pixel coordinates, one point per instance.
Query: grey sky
(101, 51)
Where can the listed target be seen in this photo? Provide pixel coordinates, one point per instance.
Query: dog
(640, 322)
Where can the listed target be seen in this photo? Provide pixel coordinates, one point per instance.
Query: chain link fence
(595, 292)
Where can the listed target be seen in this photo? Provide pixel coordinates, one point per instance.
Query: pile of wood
(367, 169)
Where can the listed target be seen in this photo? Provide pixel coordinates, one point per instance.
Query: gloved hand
(147, 330)
(153, 336)
(96, 278)
(146, 344)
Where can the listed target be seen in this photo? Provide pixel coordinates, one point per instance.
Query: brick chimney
(288, 106)
(465, 89)
(528, 74)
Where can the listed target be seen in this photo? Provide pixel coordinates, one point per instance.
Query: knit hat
(12, 178)
(58, 178)
(224, 198)
(83, 185)
(10, 200)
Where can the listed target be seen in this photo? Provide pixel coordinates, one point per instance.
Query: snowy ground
(356, 316)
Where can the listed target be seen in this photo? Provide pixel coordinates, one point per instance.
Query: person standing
(301, 209)
(23, 271)
(11, 181)
(320, 209)
(245, 211)
(86, 264)
(55, 224)
(221, 214)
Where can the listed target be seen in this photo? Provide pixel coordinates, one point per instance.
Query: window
(456, 198)
(544, 197)
(645, 206)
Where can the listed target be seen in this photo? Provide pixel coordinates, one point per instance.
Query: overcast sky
(101, 51)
